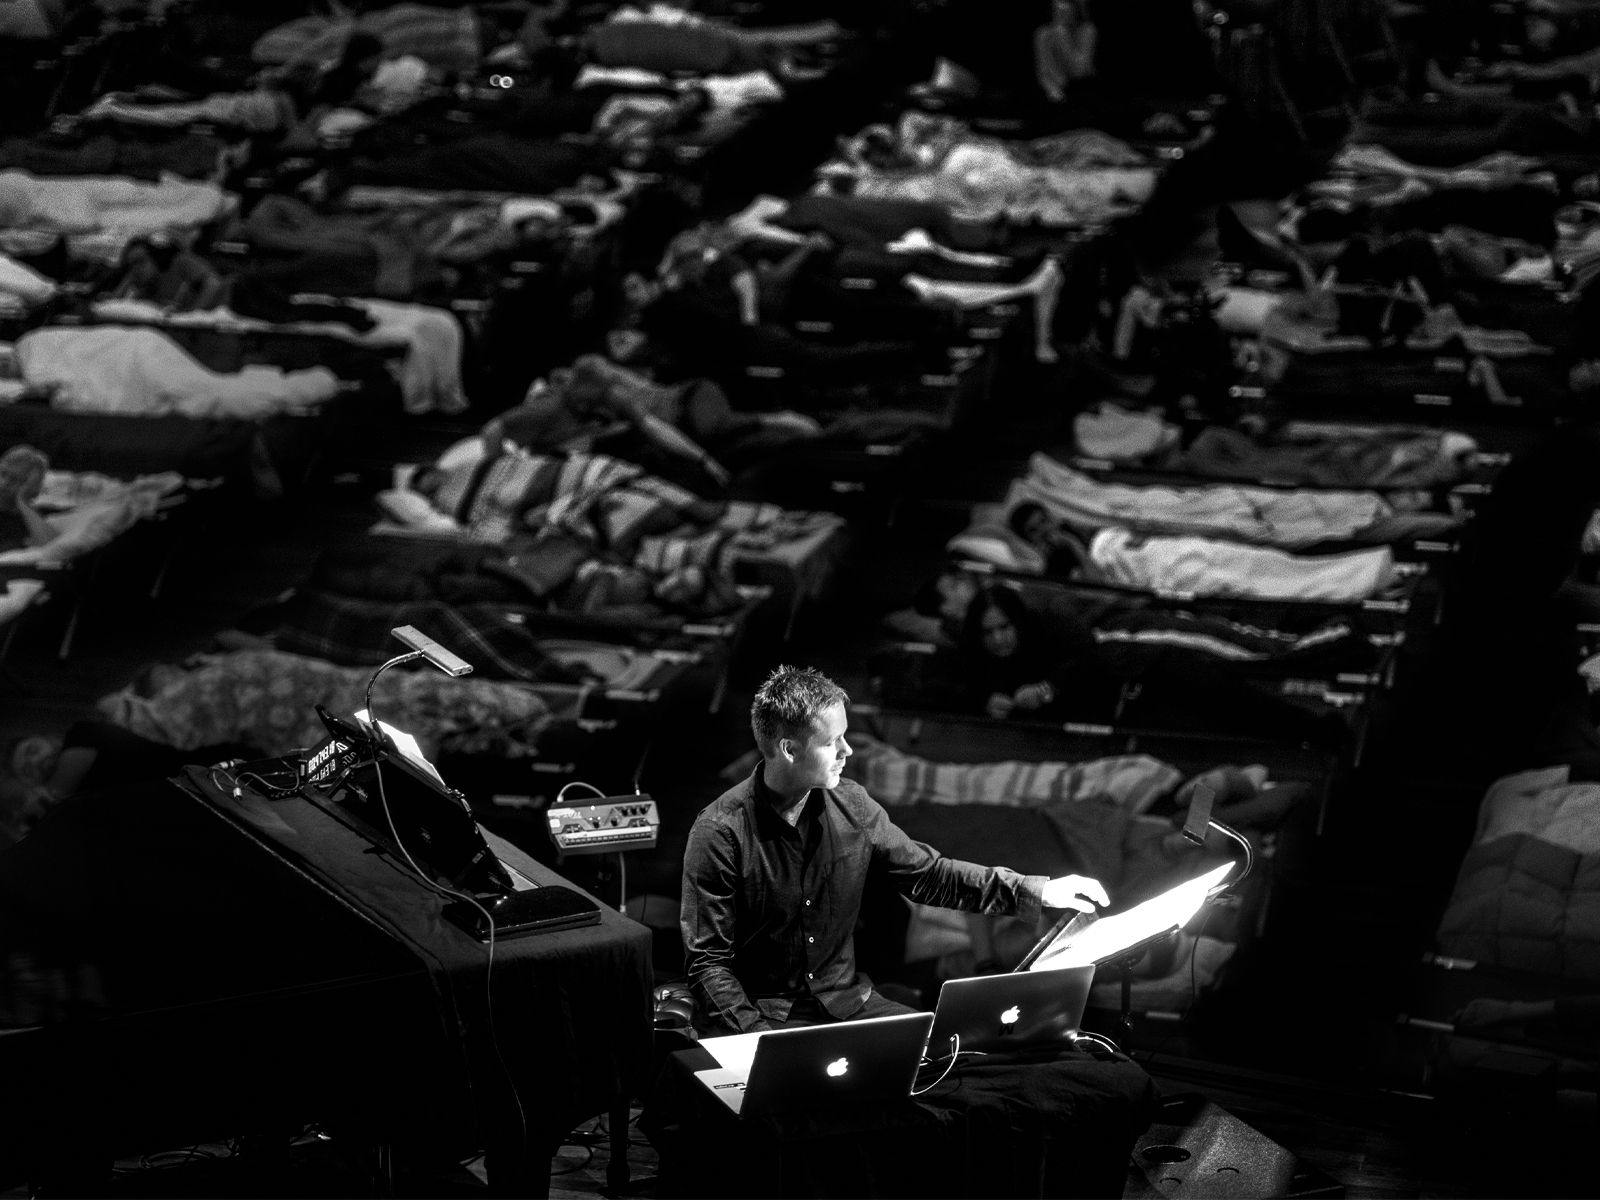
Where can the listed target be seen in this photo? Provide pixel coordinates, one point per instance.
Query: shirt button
(808, 904)
(811, 939)
(809, 975)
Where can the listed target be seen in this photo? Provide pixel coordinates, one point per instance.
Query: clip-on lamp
(1083, 939)
(496, 906)
(384, 743)
(422, 646)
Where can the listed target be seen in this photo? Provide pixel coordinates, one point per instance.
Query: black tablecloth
(571, 1011)
(179, 960)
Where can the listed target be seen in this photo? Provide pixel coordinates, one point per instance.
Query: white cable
(955, 1054)
(561, 795)
(488, 972)
(1099, 1039)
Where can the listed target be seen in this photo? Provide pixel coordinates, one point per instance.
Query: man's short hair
(788, 703)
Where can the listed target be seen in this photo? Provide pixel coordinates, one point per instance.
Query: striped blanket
(613, 502)
(687, 545)
(1132, 782)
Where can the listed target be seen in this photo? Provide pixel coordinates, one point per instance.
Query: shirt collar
(767, 802)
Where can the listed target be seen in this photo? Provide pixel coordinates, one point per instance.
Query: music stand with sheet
(1086, 939)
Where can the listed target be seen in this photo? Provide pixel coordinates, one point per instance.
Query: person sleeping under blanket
(807, 257)
(539, 103)
(982, 178)
(660, 37)
(56, 516)
(1045, 655)
(684, 545)
(1309, 454)
(553, 582)
(100, 215)
(684, 431)
(1289, 518)
(143, 372)
(1084, 616)
(1506, 194)
(717, 313)
(266, 700)
(1034, 542)
(168, 287)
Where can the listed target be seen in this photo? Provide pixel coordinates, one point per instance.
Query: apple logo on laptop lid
(838, 1067)
(1009, 1018)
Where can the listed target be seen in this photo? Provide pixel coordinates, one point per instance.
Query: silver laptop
(817, 1066)
(1020, 1010)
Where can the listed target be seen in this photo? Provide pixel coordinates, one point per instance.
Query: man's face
(819, 758)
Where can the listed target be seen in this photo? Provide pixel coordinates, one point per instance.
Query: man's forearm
(996, 891)
(723, 1000)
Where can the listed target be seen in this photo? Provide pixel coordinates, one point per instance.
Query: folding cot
(101, 527)
(1135, 658)
(692, 549)
(624, 659)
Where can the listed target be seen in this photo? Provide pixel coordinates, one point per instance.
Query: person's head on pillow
(1032, 522)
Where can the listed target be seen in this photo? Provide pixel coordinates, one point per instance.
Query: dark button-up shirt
(769, 909)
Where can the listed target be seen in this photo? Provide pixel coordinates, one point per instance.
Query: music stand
(1085, 939)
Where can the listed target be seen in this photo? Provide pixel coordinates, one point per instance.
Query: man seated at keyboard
(775, 869)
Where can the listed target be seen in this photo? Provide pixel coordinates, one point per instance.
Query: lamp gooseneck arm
(1249, 856)
(393, 662)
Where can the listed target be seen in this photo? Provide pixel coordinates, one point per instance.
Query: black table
(214, 964)
(1049, 1123)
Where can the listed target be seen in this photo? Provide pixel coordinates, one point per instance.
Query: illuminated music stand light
(1085, 939)
(1082, 940)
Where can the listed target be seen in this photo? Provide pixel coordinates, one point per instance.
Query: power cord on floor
(588, 1157)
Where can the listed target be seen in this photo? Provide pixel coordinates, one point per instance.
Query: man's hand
(999, 706)
(1077, 892)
